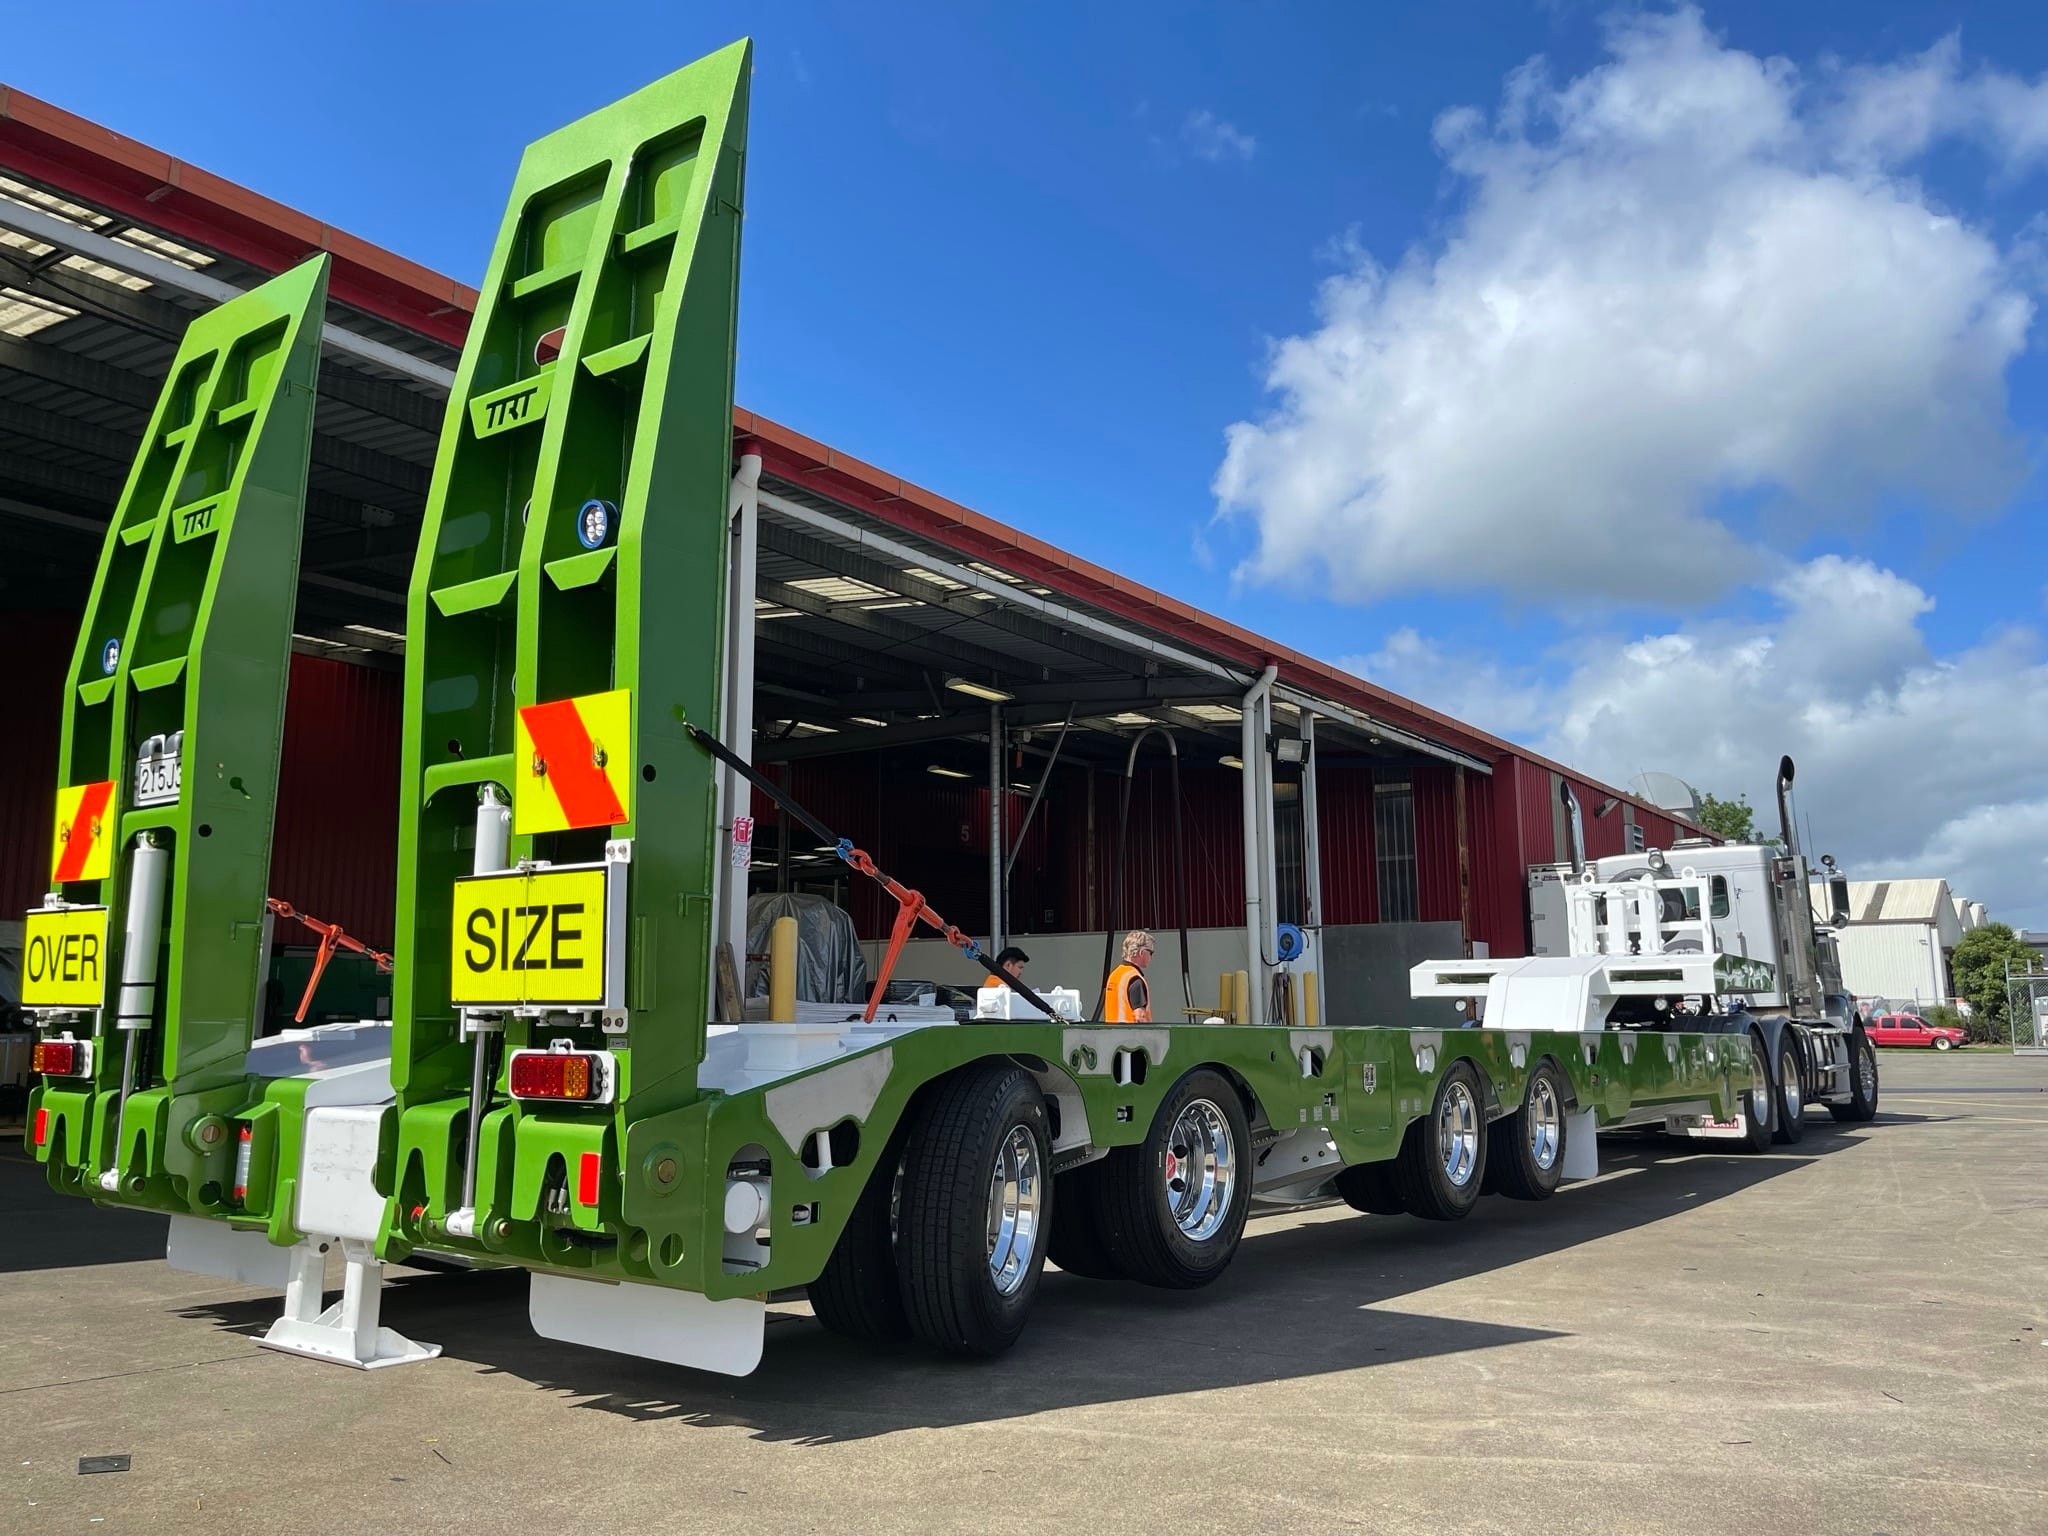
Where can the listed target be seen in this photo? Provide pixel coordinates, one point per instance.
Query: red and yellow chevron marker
(575, 763)
(83, 848)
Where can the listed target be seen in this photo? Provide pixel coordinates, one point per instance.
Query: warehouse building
(1046, 748)
(1898, 947)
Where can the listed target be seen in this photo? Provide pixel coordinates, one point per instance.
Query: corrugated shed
(1535, 793)
(337, 818)
(1436, 841)
(38, 651)
(1350, 877)
(1895, 961)
(334, 853)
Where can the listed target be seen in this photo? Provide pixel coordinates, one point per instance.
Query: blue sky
(1040, 259)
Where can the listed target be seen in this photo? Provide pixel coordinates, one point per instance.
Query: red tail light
(576, 1077)
(61, 1058)
(42, 1127)
(587, 1170)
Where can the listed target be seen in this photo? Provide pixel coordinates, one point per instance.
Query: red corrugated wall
(334, 853)
(38, 651)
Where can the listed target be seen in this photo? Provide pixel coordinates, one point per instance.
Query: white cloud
(1210, 137)
(1684, 274)
(1909, 764)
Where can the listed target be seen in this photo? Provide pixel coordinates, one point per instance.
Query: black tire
(859, 1295)
(1435, 1184)
(1788, 1090)
(1373, 1188)
(1525, 1165)
(1756, 1103)
(943, 1261)
(1075, 1241)
(1160, 1227)
(1862, 1105)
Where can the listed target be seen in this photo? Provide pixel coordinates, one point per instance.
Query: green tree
(1734, 820)
(1978, 966)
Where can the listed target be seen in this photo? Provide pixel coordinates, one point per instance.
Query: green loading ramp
(173, 720)
(566, 618)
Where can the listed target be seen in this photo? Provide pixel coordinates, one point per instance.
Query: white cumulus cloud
(1910, 764)
(1687, 279)
(1211, 138)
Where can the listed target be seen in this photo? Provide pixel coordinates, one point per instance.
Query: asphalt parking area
(1843, 1336)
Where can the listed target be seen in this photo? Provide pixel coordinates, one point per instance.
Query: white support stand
(346, 1333)
(1582, 1146)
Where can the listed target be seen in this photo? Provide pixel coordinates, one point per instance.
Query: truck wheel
(1444, 1153)
(1173, 1207)
(1525, 1153)
(1862, 1103)
(858, 1295)
(1756, 1102)
(1074, 1241)
(972, 1217)
(1372, 1188)
(1790, 1104)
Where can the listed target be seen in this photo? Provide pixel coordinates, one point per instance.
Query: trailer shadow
(1303, 1299)
(46, 1230)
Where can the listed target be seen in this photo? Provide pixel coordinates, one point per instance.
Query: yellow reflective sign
(529, 938)
(64, 958)
(574, 763)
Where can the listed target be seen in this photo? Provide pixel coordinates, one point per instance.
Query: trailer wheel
(858, 1296)
(1172, 1208)
(1074, 1240)
(1756, 1102)
(1791, 1094)
(1445, 1152)
(1862, 1103)
(1373, 1188)
(1525, 1153)
(972, 1216)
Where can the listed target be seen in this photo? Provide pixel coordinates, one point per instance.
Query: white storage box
(1003, 1003)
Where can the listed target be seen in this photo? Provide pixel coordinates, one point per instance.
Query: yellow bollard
(1226, 1005)
(782, 970)
(1240, 997)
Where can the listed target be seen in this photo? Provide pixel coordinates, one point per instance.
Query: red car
(1911, 1029)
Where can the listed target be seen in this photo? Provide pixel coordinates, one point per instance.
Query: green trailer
(554, 1091)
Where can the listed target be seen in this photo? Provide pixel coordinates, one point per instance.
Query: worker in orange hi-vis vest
(1126, 999)
(1009, 967)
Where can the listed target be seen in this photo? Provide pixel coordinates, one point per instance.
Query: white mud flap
(651, 1321)
(200, 1246)
(1582, 1146)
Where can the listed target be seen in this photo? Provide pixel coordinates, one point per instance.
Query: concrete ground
(1846, 1336)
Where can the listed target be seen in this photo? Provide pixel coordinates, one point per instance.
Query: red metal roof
(154, 188)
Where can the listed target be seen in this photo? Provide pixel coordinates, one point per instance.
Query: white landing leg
(346, 1333)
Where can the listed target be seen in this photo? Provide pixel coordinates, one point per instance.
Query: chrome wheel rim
(1788, 1085)
(1016, 1192)
(1201, 1170)
(1546, 1123)
(1457, 1127)
(1866, 1071)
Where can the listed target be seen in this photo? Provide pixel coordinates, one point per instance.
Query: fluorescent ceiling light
(987, 691)
(23, 314)
(1231, 762)
(838, 589)
(869, 720)
(371, 629)
(948, 773)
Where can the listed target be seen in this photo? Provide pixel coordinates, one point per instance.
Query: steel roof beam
(61, 233)
(931, 648)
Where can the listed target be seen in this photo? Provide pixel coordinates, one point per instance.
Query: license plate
(157, 776)
(530, 938)
(64, 958)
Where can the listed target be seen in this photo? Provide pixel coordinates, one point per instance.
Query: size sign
(64, 958)
(530, 938)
